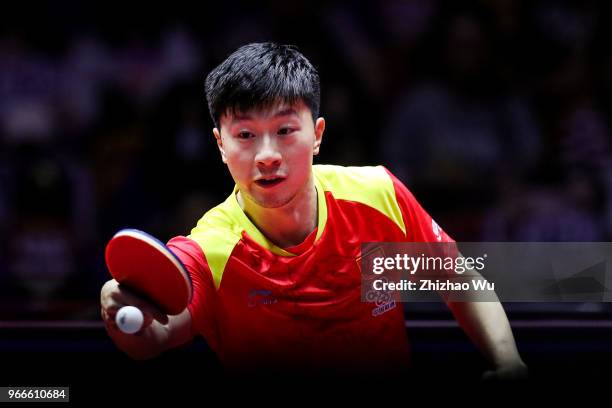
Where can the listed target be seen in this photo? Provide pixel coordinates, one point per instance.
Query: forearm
(488, 327)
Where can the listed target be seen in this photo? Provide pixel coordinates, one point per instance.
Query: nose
(268, 153)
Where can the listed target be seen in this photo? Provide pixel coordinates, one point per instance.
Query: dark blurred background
(495, 113)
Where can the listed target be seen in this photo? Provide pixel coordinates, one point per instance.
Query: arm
(484, 322)
(488, 327)
(160, 332)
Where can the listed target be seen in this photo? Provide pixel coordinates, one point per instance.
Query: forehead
(297, 110)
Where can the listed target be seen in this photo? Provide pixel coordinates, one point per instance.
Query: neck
(290, 224)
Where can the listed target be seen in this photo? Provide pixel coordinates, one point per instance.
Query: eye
(285, 131)
(244, 135)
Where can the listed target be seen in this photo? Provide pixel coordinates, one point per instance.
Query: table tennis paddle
(145, 265)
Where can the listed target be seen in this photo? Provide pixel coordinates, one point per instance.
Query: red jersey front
(261, 306)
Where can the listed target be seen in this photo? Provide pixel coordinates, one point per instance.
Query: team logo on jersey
(382, 300)
(436, 230)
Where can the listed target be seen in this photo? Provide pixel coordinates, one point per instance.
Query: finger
(108, 320)
(125, 297)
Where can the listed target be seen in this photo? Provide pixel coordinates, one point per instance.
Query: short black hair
(257, 76)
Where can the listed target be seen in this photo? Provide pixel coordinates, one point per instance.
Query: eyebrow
(284, 112)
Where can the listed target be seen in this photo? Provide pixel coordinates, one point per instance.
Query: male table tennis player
(274, 271)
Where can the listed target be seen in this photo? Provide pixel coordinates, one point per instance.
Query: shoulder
(372, 186)
(217, 233)
(222, 220)
(353, 182)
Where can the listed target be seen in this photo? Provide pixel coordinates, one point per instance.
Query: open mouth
(269, 182)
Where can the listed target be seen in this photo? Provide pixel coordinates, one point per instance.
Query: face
(269, 152)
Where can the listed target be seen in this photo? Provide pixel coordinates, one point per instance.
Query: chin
(272, 202)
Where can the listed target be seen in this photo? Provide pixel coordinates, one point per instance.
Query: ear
(319, 129)
(220, 144)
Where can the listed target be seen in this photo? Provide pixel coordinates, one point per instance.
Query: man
(274, 267)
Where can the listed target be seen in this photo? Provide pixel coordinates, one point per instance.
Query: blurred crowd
(495, 113)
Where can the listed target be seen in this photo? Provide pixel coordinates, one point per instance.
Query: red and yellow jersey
(261, 306)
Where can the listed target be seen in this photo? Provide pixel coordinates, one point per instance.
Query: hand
(113, 297)
(515, 371)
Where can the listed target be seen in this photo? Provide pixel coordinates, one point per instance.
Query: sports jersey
(262, 306)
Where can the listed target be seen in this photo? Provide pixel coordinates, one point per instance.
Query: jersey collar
(253, 232)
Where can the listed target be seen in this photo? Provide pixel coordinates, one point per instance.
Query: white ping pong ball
(129, 319)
